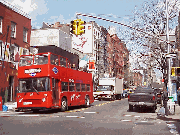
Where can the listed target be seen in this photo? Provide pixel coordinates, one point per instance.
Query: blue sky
(64, 11)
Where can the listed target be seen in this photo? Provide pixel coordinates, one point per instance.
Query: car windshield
(41, 59)
(102, 87)
(144, 90)
(34, 85)
(26, 61)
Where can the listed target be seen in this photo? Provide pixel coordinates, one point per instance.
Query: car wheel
(87, 101)
(112, 97)
(63, 104)
(130, 107)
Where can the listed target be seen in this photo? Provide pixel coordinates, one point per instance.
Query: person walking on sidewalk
(165, 100)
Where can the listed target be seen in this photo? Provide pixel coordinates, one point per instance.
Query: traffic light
(74, 27)
(81, 27)
(173, 72)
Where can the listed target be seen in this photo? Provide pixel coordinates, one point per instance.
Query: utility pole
(171, 103)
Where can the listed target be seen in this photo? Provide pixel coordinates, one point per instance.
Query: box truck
(109, 88)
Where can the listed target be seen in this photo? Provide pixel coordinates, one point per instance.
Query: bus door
(55, 91)
(78, 94)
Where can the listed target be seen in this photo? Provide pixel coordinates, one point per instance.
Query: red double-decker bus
(47, 81)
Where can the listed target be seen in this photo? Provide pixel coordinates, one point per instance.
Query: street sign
(171, 55)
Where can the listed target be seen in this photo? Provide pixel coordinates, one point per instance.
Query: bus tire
(87, 101)
(63, 104)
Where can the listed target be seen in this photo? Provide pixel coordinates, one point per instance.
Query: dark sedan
(142, 97)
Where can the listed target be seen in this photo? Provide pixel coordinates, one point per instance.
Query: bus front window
(26, 61)
(34, 85)
(41, 59)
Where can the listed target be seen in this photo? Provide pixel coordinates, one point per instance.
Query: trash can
(0, 103)
(171, 105)
(5, 108)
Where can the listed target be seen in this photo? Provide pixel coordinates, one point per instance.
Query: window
(11, 49)
(0, 50)
(71, 86)
(25, 30)
(88, 87)
(54, 59)
(63, 62)
(13, 29)
(64, 86)
(41, 59)
(1, 25)
(25, 51)
(34, 84)
(78, 87)
(83, 87)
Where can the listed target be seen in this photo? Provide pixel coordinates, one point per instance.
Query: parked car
(142, 97)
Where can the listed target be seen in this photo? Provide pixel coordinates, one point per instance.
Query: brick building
(115, 56)
(15, 30)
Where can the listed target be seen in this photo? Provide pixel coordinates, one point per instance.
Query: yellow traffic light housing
(81, 27)
(175, 71)
(74, 27)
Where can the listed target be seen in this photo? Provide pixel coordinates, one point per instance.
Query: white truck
(111, 88)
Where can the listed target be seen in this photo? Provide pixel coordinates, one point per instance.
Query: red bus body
(44, 85)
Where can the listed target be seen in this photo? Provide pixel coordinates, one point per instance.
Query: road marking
(75, 116)
(137, 116)
(126, 120)
(90, 112)
(127, 115)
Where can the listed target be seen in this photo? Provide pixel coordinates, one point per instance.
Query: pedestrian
(165, 100)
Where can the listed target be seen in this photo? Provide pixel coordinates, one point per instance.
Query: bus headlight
(43, 99)
(20, 100)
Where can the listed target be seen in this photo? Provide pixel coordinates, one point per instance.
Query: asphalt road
(102, 117)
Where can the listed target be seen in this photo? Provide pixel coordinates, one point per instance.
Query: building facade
(15, 31)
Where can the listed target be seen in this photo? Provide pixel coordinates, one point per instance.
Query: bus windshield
(41, 59)
(26, 61)
(34, 84)
(103, 87)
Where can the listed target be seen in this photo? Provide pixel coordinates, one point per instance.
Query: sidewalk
(176, 116)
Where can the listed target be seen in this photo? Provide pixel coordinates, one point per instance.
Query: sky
(64, 11)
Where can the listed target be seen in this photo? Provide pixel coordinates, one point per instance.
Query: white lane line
(127, 115)
(72, 116)
(75, 116)
(126, 120)
(90, 112)
(136, 116)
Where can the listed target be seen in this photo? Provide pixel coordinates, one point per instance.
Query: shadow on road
(52, 111)
(141, 110)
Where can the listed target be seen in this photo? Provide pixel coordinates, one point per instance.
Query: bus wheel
(87, 101)
(63, 104)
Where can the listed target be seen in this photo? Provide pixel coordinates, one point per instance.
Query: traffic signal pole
(171, 103)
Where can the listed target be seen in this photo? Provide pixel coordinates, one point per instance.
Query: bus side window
(88, 87)
(62, 62)
(71, 86)
(83, 87)
(64, 86)
(78, 87)
(54, 60)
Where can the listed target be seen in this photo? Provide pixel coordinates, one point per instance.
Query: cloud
(32, 7)
(60, 19)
